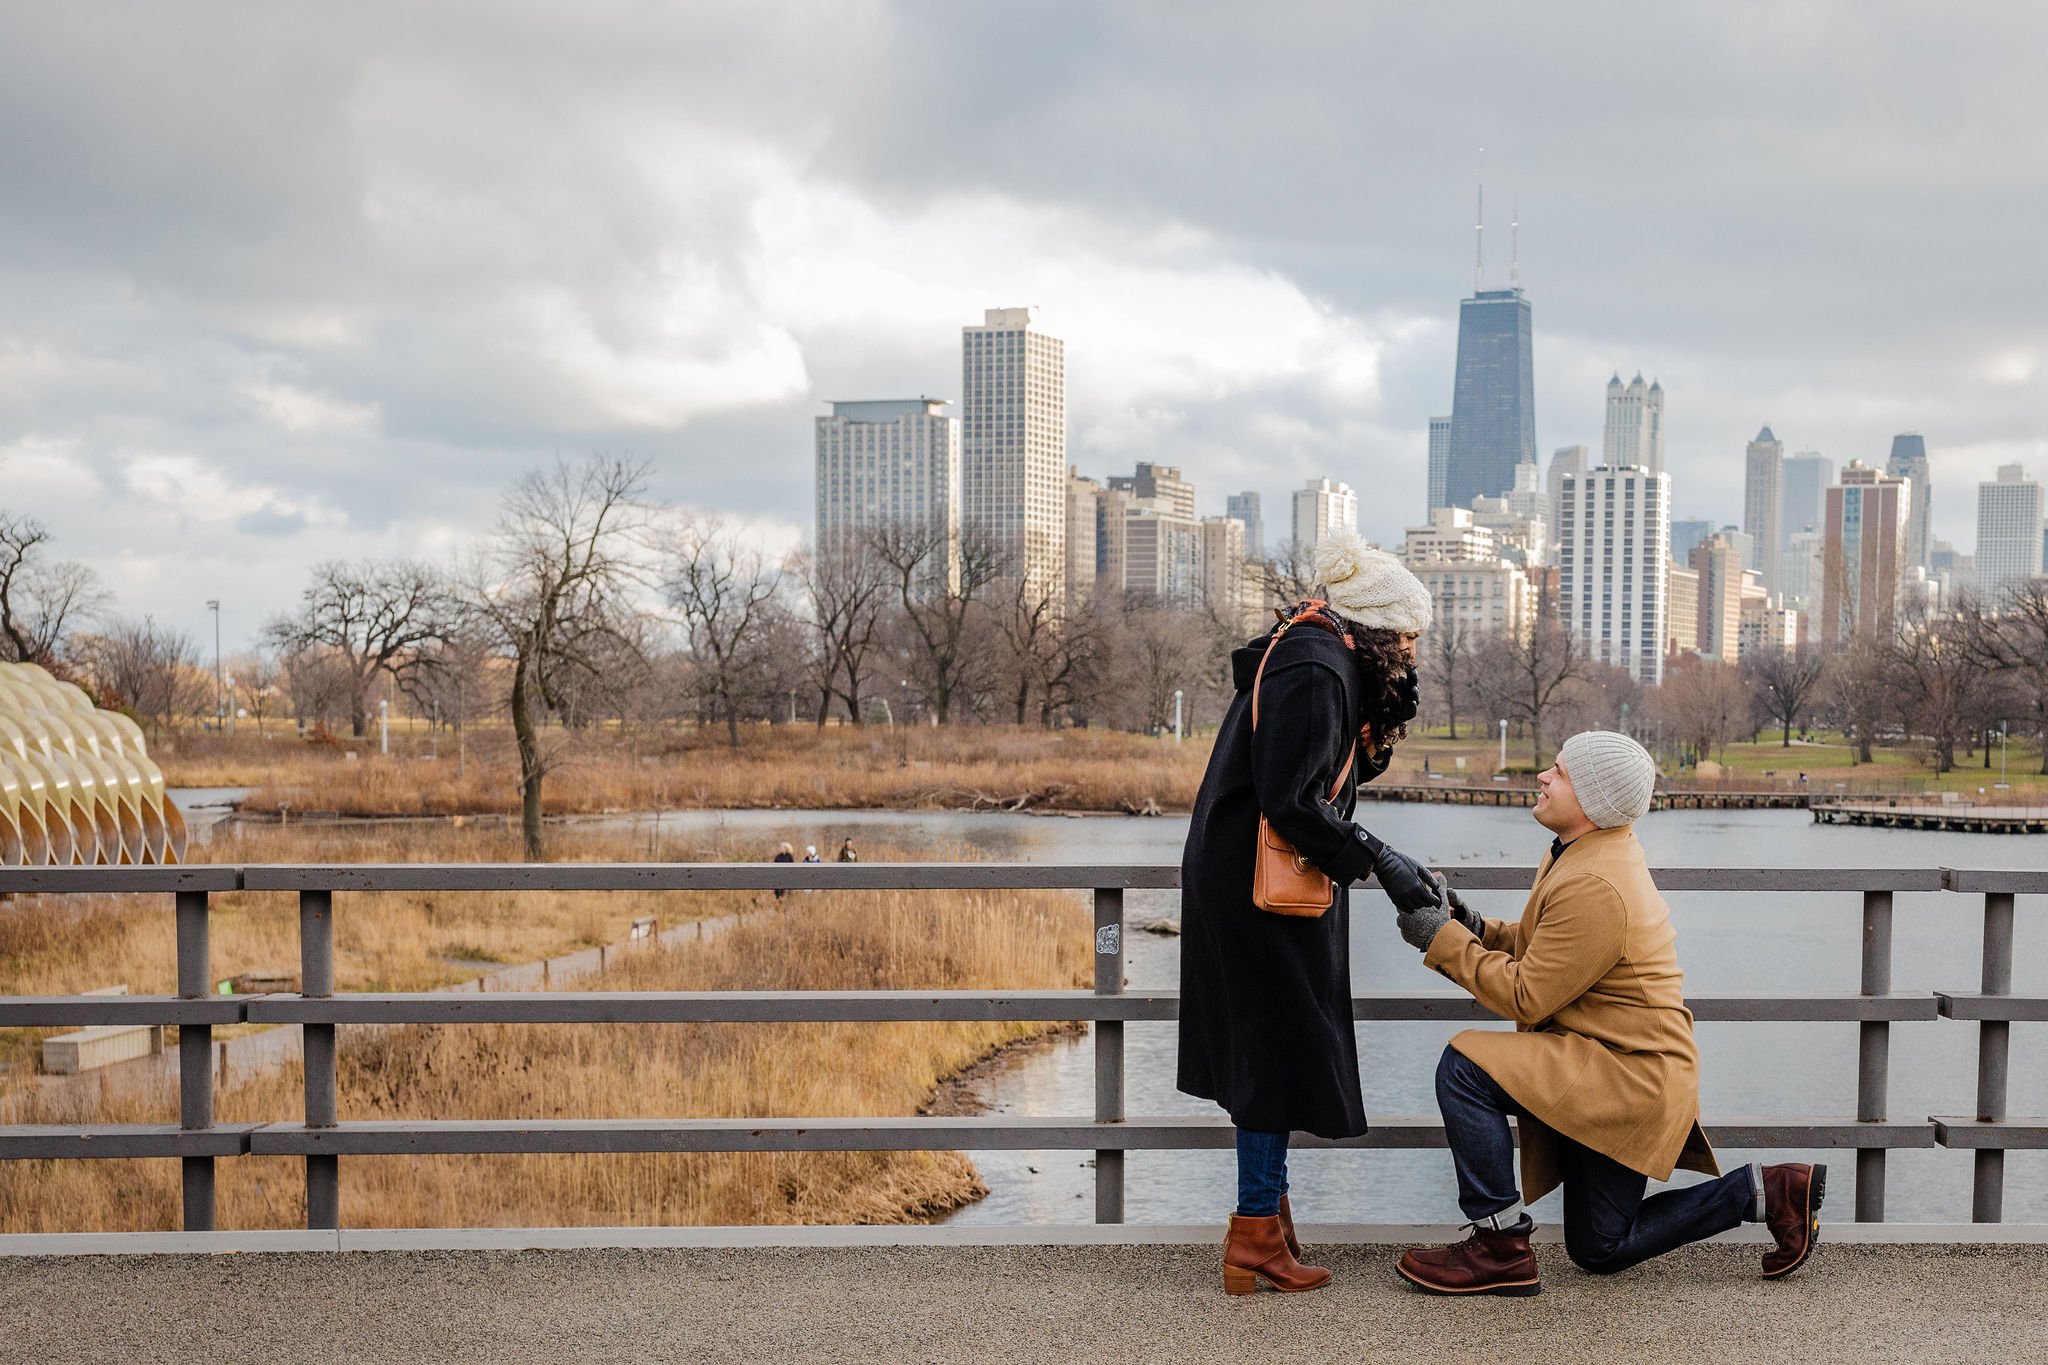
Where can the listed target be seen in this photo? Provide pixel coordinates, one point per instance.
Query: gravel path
(994, 1304)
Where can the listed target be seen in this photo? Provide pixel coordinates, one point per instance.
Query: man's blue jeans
(1261, 1172)
(1608, 1225)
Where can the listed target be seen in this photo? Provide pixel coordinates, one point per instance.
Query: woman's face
(1409, 638)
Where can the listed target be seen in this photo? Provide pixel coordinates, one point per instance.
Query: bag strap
(1336, 788)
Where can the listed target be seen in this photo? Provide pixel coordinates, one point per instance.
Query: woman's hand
(1407, 698)
(1408, 884)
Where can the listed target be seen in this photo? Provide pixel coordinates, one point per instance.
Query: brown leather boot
(1287, 1229)
(1487, 1262)
(1256, 1249)
(1792, 1198)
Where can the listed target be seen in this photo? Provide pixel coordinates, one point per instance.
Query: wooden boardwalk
(1955, 817)
(1503, 794)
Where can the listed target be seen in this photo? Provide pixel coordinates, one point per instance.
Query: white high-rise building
(1478, 598)
(1323, 504)
(1439, 462)
(1763, 491)
(1224, 582)
(2008, 533)
(892, 462)
(1800, 568)
(1451, 535)
(1082, 494)
(1564, 460)
(1614, 537)
(1635, 425)
(1013, 442)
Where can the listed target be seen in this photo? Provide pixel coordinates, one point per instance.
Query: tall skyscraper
(1245, 507)
(1718, 562)
(1493, 403)
(891, 462)
(1564, 460)
(1614, 538)
(1321, 505)
(1803, 495)
(1635, 425)
(1863, 563)
(1439, 462)
(1763, 488)
(1909, 461)
(1685, 535)
(2009, 541)
(1081, 533)
(1013, 442)
(1224, 585)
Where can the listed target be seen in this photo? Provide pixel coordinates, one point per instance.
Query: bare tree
(845, 592)
(939, 609)
(1860, 693)
(40, 602)
(1787, 683)
(1159, 650)
(2014, 642)
(149, 669)
(1448, 648)
(1284, 577)
(1704, 706)
(724, 589)
(1938, 686)
(551, 587)
(373, 617)
(1525, 679)
(257, 678)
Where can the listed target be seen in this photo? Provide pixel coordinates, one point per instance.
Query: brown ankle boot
(1287, 1229)
(1256, 1249)
(1487, 1262)
(1792, 1197)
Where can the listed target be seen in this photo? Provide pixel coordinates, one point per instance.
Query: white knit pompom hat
(1611, 774)
(1370, 587)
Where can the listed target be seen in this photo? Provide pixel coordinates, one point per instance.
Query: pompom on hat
(1369, 587)
(1611, 774)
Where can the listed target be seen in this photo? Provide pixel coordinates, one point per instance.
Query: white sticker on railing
(1109, 940)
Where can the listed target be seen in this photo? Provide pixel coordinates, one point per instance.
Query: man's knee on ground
(1593, 1253)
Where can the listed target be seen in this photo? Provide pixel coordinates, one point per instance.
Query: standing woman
(1265, 1023)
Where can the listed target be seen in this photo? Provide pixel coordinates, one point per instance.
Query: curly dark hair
(1386, 670)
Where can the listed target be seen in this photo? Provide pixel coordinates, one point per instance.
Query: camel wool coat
(1603, 1051)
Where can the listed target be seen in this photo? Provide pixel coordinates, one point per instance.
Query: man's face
(1557, 805)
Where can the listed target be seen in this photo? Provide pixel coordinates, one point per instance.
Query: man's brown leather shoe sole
(1816, 1191)
(1518, 1289)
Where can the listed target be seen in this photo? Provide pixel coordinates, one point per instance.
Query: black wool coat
(1265, 1005)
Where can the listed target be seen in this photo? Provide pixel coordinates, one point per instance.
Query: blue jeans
(1608, 1225)
(1261, 1172)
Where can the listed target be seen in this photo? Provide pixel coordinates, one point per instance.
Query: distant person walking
(784, 854)
(847, 852)
(1601, 1071)
(1266, 1029)
(811, 853)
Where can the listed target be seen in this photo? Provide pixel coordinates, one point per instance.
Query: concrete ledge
(1035, 1235)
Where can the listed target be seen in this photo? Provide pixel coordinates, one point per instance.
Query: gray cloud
(281, 285)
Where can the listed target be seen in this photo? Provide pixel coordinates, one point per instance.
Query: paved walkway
(996, 1304)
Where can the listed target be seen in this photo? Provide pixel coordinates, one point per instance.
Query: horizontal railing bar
(47, 1141)
(894, 876)
(64, 881)
(974, 1132)
(667, 1007)
(2017, 881)
(1971, 1005)
(2030, 1134)
(48, 1011)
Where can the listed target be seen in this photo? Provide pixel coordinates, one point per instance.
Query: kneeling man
(1601, 1071)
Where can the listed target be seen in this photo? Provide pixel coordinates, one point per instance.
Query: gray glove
(1420, 927)
(1465, 914)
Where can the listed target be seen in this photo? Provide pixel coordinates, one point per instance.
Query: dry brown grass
(792, 767)
(815, 941)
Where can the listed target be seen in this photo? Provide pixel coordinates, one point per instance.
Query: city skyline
(444, 255)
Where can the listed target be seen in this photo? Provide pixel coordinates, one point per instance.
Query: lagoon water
(1728, 942)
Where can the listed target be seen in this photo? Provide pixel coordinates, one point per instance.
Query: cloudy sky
(289, 282)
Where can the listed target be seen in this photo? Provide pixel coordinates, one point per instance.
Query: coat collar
(1591, 842)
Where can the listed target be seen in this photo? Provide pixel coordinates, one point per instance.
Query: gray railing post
(1873, 1054)
(1109, 1051)
(316, 979)
(195, 1057)
(1994, 1039)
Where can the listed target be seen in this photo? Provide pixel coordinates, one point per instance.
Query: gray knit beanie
(1611, 774)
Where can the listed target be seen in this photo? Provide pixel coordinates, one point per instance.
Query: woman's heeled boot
(1287, 1229)
(1255, 1249)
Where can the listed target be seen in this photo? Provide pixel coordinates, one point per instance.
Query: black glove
(1408, 699)
(1407, 883)
(1464, 914)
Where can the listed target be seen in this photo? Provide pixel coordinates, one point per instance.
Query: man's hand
(1465, 914)
(1408, 884)
(1420, 927)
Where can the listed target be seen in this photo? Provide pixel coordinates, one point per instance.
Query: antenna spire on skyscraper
(1479, 231)
(1515, 245)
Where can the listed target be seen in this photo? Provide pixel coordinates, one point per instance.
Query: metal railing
(325, 1137)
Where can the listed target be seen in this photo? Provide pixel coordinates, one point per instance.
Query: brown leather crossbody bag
(1283, 881)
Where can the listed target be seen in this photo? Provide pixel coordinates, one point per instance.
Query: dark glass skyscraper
(1493, 407)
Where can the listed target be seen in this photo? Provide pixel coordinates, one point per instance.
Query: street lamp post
(213, 605)
(1176, 715)
(1503, 746)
